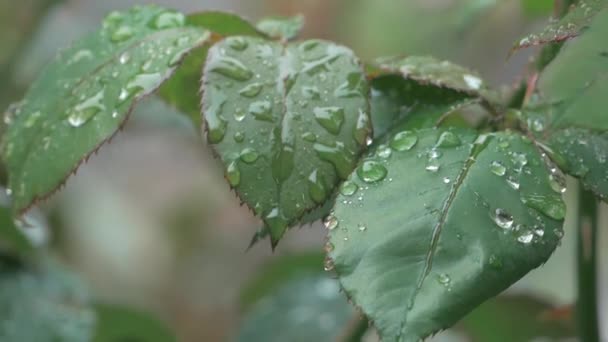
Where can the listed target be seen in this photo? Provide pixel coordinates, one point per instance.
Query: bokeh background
(149, 222)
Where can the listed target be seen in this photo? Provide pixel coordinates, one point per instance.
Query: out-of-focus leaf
(537, 7)
(288, 122)
(121, 324)
(304, 309)
(569, 114)
(11, 237)
(183, 89)
(513, 319)
(569, 26)
(85, 95)
(43, 304)
(445, 221)
(284, 28)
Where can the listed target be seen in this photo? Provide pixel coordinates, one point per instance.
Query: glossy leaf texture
(431, 71)
(182, 90)
(568, 116)
(306, 308)
(444, 222)
(569, 26)
(44, 303)
(287, 121)
(85, 95)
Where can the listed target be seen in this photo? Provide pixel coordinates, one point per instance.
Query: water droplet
(361, 227)
(338, 156)
(444, 279)
(384, 151)
(432, 167)
(539, 232)
(348, 188)
(448, 139)
(251, 90)
(86, 110)
(351, 87)
(550, 205)
(473, 82)
(124, 58)
(362, 129)
(371, 171)
(317, 189)
(538, 125)
(526, 238)
(519, 161)
(139, 84)
(239, 136)
(311, 92)
(166, 20)
(233, 174)
(276, 222)
(331, 118)
(239, 115)
(309, 136)
(121, 34)
(446, 180)
(328, 264)
(216, 124)
(404, 141)
(497, 168)
(503, 219)
(330, 222)
(237, 43)
(249, 155)
(261, 110)
(231, 67)
(558, 183)
(513, 183)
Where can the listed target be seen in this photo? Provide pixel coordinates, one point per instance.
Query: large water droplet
(316, 187)
(216, 124)
(503, 219)
(498, 168)
(252, 90)
(249, 155)
(384, 151)
(331, 118)
(232, 68)
(404, 141)
(330, 222)
(448, 139)
(86, 110)
(233, 174)
(337, 156)
(276, 222)
(371, 171)
(348, 188)
(166, 20)
(122, 33)
(550, 205)
(261, 110)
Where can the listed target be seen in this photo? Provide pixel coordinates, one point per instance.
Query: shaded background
(149, 221)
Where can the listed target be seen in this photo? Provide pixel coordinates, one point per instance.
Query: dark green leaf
(569, 26)
(513, 319)
(448, 220)
(121, 324)
(569, 116)
(284, 28)
(305, 309)
(183, 89)
(537, 7)
(43, 304)
(287, 121)
(85, 95)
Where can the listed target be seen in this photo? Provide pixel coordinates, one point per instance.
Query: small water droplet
(261, 110)
(330, 222)
(362, 133)
(233, 174)
(239, 136)
(124, 58)
(558, 183)
(448, 139)
(252, 90)
(216, 123)
(432, 167)
(167, 19)
(237, 43)
(239, 115)
(503, 219)
(444, 279)
(498, 168)
(231, 67)
(384, 151)
(446, 180)
(404, 141)
(331, 118)
(121, 34)
(348, 188)
(539, 232)
(526, 238)
(87, 109)
(362, 227)
(473, 82)
(371, 171)
(513, 183)
(519, 161)
(249, 155)
(81, 55)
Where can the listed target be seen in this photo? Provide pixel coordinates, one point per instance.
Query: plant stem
(587, 309)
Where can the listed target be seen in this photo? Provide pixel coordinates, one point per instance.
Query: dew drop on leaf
(448, 139)
(233, 174)
(121, 34)
(249, 155)
(252, 90)
(86, 110)
(237, 43)
(261, 110)
(498, 168)
(232, 68)
(525, 238)
(337, 156)
(404, 141)
(330, 118)
(330, 222)
(503, 219)
(371, 171)
(317, 189)
(348, 188)
(167, 19)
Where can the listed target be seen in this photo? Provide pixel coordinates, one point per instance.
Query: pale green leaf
(284, 28)
(287, 121)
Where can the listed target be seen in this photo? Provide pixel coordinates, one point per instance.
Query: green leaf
(85, 95)
(494, 321)
(43, 304)
(183, 89)
(537, 7)
(308, 308)
(568, 27)
(11, 237)
(449, 220)
(283, 28)
(122, 324)
(287, 121)
(568, 116)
